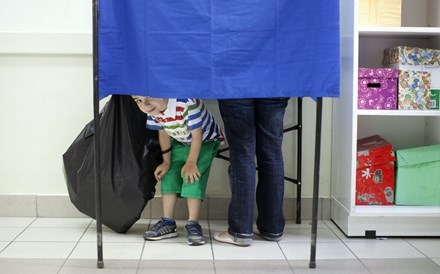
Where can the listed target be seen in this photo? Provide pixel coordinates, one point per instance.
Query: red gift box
(375, 172)
(374, 150)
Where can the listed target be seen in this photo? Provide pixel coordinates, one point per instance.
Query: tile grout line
(142, 253)
(76, 244)
(21, 232)
(419, 250)
(285, 257)
(211, 239)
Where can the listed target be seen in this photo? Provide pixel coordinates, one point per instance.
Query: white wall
(46, 99)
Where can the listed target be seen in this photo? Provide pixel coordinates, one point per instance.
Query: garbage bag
(129, 154)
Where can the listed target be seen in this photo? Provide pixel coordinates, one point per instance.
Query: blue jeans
(254, 128)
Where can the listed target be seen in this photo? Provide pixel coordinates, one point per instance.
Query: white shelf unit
(363, 47)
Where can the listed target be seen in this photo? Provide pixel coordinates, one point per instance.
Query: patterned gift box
(375, 185)
(415, 59)
(414, 90)
(374, 172)
(373, 150)
(411, 56)
(377, 88)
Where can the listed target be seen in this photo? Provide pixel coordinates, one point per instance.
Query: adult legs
(238, 117)
(270, 188)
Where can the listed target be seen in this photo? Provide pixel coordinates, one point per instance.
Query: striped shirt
(183, 116)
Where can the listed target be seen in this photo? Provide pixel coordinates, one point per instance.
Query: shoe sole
(166, 236)
(195, 243)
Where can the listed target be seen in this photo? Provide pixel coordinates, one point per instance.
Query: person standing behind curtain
(254, 127)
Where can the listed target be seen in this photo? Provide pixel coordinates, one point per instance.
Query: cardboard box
(374, 172)
(418, 176)
(415, 59)
(386, 13)
(377, 88)
(414, 90)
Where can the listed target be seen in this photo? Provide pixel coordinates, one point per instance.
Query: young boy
(189, 138)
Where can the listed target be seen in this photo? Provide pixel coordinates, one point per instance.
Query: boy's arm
(190, 169)
(165, 145)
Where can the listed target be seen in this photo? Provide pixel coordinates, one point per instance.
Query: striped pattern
(183, 116)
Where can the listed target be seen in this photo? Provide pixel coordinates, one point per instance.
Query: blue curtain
(219, 48)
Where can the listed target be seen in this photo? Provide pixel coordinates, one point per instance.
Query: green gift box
(418, 176)
(434, 101)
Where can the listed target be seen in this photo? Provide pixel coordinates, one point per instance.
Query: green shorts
(173, 181)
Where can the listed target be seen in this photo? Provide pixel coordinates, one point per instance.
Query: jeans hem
(274, 236)
(241, 238)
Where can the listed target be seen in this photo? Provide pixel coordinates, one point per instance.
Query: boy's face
(151, 106)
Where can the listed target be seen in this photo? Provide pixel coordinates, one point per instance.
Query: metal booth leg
(97, 160)
(312, 263)
(297, 181)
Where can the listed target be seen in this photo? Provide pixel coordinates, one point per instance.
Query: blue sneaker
(194, 233)
(163, 229)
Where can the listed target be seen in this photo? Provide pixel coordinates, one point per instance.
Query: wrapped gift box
(374, 150)
(434, 99)
(415, 59)
(414, 90)
(377, 88)
(418, 176)
(374, 172)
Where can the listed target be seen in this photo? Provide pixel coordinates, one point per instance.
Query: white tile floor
(68, 245)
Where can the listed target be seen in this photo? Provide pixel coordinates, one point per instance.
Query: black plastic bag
(129, 154)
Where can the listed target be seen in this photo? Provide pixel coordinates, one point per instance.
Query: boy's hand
(161, 170)
(190, 172)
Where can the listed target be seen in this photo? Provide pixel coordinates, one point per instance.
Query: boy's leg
(194, 206)
(166, 227)
(195, 193)
(171, 183)
(170, 187)
(193, 228)
(169, 204)
(197, 189)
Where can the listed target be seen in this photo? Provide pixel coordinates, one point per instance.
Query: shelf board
(420, 211)
(392, 32)
(375, 112)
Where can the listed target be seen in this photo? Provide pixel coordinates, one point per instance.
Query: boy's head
(151, 106)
